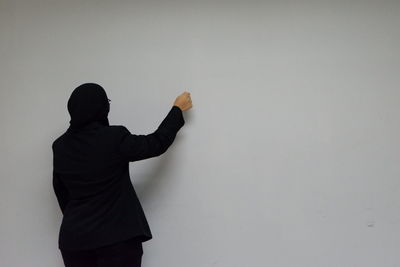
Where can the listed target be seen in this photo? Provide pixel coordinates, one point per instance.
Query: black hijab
(88, 103)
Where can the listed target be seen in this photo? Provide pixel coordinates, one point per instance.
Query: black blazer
(92, 183)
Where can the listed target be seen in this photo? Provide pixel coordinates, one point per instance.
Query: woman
(103, 221)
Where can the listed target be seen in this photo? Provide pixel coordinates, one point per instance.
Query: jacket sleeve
(61, 192)
(138, 147)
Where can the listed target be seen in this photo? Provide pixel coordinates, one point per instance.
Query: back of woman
(101, 211)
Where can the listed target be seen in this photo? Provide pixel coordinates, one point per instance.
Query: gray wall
(289, 156)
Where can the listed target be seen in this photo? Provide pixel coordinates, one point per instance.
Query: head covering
(88, 103)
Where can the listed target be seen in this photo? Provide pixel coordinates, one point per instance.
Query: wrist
(178, 107)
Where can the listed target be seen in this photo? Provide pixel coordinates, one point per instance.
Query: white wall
(289, 157)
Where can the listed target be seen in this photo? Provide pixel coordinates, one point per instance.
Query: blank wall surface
(289, 156)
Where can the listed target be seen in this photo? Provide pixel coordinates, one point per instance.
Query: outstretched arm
(135, 147)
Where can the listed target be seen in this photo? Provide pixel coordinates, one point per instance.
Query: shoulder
(118, 133)
(57, 141)
(118, 129)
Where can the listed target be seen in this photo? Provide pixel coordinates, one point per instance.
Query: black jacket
(92, 183)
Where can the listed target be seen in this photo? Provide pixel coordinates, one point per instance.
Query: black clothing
(123, 254)
(92, 183)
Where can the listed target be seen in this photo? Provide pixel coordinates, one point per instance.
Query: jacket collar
(91, 125)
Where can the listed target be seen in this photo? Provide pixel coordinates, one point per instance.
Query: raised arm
(135, 147)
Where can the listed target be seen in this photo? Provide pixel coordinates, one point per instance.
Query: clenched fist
(183, 101)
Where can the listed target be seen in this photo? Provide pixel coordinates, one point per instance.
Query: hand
(183, 101)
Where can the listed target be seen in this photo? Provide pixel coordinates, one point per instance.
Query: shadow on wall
(154, 180)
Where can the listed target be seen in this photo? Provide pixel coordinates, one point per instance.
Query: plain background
(289, 157)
